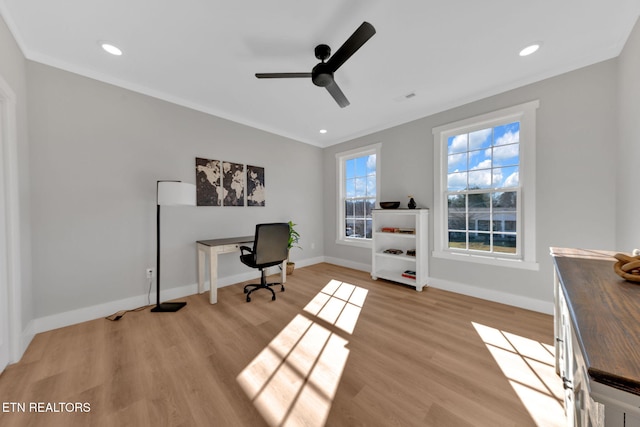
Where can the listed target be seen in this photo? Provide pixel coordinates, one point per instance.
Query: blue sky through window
(361, 176)
(484, 159)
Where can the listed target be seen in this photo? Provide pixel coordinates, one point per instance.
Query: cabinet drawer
(228, 248)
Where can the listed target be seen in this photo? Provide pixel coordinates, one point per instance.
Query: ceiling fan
(322, 74)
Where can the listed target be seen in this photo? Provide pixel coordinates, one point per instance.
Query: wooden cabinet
(597, 327)
(580, 407)
(400, 246)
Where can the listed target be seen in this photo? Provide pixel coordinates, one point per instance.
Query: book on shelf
(407, 230)
(409, 274)
(398, 230)
(389, 229)
(393, 251)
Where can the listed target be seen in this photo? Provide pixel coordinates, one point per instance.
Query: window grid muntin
(483, 144)
(492, 232)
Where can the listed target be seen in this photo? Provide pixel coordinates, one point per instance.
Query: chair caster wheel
(248, 299)
(273, 298)
(282, 289)
(246, 291)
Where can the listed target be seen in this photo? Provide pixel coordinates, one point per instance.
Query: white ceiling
(203, 54)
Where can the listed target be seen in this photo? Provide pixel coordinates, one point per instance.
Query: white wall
(96, 154)
(628, 204)
(576, 134)
(12, 70)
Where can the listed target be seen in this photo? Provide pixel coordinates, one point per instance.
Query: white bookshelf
(391, 266)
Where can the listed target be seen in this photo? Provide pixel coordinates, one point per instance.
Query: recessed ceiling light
(530, 49)
(113, 50)
(323, 131)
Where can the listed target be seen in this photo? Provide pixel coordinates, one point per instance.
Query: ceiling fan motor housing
(321, 75)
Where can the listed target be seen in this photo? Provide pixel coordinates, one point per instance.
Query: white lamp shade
(172, 193)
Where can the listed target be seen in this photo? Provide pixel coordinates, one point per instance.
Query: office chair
(270, 247)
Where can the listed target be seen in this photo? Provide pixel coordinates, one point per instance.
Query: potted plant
(294, 236)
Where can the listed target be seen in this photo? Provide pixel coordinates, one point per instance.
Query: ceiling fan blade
(281, 75)
(337, 94)
(364, 32)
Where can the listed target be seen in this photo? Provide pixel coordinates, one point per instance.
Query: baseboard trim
(60, 320)
(527, 303)
(25, 339)
(72, 317)
(67, 318)
(309, 261)
(349, 264)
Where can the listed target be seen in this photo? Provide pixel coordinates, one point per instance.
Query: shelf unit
(391, 266)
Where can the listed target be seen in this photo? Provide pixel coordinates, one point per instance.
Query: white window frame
(526, 226)
(341, 159)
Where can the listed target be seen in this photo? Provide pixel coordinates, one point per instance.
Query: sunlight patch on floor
(293, 380)
(529, 366)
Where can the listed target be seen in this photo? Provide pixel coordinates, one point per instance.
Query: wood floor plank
(373, 353)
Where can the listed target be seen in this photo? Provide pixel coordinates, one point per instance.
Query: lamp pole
(166, 307)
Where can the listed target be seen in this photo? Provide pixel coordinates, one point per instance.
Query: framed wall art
(232, 184)
(208, 182)
(255, 186)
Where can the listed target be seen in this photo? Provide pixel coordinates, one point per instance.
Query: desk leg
(213, 276)
(201, 268)
(283, 272)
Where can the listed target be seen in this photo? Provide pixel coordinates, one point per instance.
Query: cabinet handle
(566, 384)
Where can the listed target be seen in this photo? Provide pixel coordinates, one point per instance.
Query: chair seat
(249, 261)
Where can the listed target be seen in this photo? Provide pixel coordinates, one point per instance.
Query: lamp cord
(149, 292)
(121, 313)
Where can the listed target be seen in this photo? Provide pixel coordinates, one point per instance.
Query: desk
(208, 250)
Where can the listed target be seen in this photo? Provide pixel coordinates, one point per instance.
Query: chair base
(248, 289)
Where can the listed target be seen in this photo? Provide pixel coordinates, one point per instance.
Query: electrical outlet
(149, 273)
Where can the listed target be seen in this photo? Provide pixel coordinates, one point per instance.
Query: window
(358, 176)
(485, 188)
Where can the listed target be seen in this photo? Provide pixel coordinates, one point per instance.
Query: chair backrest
(271, 242)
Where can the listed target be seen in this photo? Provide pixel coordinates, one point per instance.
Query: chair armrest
(245, 248)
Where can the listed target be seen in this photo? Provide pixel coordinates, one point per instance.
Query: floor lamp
(170, 193)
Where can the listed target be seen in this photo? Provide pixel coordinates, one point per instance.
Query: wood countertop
(605, 312)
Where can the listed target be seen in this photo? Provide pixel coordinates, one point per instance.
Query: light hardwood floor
(335, 349)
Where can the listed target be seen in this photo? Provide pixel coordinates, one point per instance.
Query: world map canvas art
(221, 183)
(255, 186)
(208, 187)
(233, 184)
